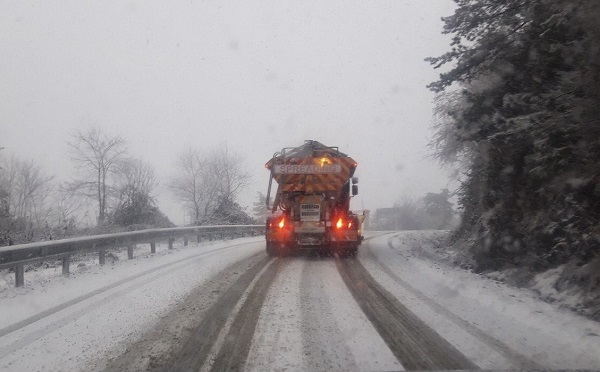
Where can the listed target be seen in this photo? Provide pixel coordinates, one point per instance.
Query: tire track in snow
(236, 346)
(520, 360)
(415, 344)
(122, 287)
(323, 342)
(310, 322)
(197, 348)
(159, 347)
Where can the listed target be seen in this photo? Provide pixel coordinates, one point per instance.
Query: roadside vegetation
(518, 113)
(113, 191)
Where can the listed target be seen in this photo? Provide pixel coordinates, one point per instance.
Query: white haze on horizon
(254, 76)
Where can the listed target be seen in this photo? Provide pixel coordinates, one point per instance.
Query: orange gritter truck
(311, 208)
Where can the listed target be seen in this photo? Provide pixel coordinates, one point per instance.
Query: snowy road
(228, 305)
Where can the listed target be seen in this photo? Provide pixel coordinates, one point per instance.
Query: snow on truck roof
(312, 167)
(309, 150)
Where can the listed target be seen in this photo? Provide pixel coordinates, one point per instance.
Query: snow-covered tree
(259, 208)
(136, 184)
(229, 212)
(189, 185)
(520, 109)
(439, 209)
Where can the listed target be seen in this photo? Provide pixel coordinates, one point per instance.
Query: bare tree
(95, 155)
(27, 188)
(207, 182)
(229, 174)
(135, 177)
(67, 206)
(7, 182)
(188, 184)
(24, 193)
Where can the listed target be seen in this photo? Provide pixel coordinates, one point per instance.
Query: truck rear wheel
(271, 249)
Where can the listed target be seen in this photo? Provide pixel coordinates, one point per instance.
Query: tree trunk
(100, 206)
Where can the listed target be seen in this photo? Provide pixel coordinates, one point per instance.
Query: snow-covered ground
(493, 324)
(111, 305)
(309, 320)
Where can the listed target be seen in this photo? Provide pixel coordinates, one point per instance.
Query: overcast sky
(254, 75)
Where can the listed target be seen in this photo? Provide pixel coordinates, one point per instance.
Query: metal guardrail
(17, 256)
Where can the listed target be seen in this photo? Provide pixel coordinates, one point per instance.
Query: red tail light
(339, 223)
(282, 223)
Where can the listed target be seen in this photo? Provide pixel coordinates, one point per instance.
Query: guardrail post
(102, 257)
(171, 243)
(185, 241)
(152, 247)
(130, 252)
(198, 238)
(222, 235)
(19, 275)
(66, 262)
(210, 236)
